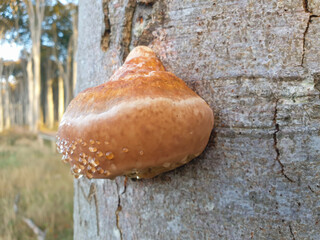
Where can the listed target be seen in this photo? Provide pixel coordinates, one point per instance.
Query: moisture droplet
(78, 176)
(113, 167)
(106, 143)
(106, 172)
(91, 169)
(84, 144)
(82, 161)
(99, 154)
(94, 162)
(125, 150)
(97, 142)
(65, 159)
(92, 149)
(80, 140)
(166, 165)
(109, 155)
(184, 160)
(91, 141)
(100, 170)
(89, 175)
(141, 152)
(59, 150)
(75, 169)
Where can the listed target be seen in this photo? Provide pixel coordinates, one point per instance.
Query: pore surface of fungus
(142, 122)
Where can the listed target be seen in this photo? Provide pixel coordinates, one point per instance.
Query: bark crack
(313, 191)
(125, 185)
(93, 194)
(307, 10)
(305, 5)
(118, 210)
(291, 232)
(316, 79)
(275, 142)
(105, 39)
(130, 6)
(304, 42)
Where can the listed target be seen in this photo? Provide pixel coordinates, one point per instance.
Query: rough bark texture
(257, 64)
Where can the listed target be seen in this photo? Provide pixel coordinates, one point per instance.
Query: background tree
(52, 22)
(35, 10)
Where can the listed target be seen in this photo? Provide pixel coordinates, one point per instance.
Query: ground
(35, 182)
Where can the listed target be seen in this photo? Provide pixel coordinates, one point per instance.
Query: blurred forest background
(35, 88)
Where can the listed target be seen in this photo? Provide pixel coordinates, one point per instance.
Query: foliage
(14, 22)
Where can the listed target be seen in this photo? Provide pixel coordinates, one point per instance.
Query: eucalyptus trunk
(50, 105)
(60, 98)
(1, 97)
(256, 63)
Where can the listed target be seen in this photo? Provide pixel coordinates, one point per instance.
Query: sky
(9, 51)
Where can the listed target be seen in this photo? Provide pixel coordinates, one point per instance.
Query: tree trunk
(67, 74)
(60, 98)
(7, 102)
(75, 46)
(1, 96)
(30, 95)
(256, 63)
(36, 14)
(50, 106)
(37, 89)
(7, 122)
(1, 109)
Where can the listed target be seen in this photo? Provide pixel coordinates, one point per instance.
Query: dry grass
(44, 185)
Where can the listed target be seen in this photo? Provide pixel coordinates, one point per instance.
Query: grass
(43, 185)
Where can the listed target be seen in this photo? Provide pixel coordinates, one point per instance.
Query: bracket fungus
(142, 122)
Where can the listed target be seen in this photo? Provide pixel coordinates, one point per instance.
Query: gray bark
(256, 63)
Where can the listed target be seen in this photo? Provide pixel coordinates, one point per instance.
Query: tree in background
(45, 30)
(35, 11)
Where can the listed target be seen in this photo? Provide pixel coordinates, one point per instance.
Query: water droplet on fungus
(166, 165)
(109, 155)
(89, 175)
(94, 162)
(99, 154)
(92, 149)
(82, 161)
(113, 167)
(78, 176)
(100, 170)
(65, 158)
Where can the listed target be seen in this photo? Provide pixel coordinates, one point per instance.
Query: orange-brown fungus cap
(142, 122)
